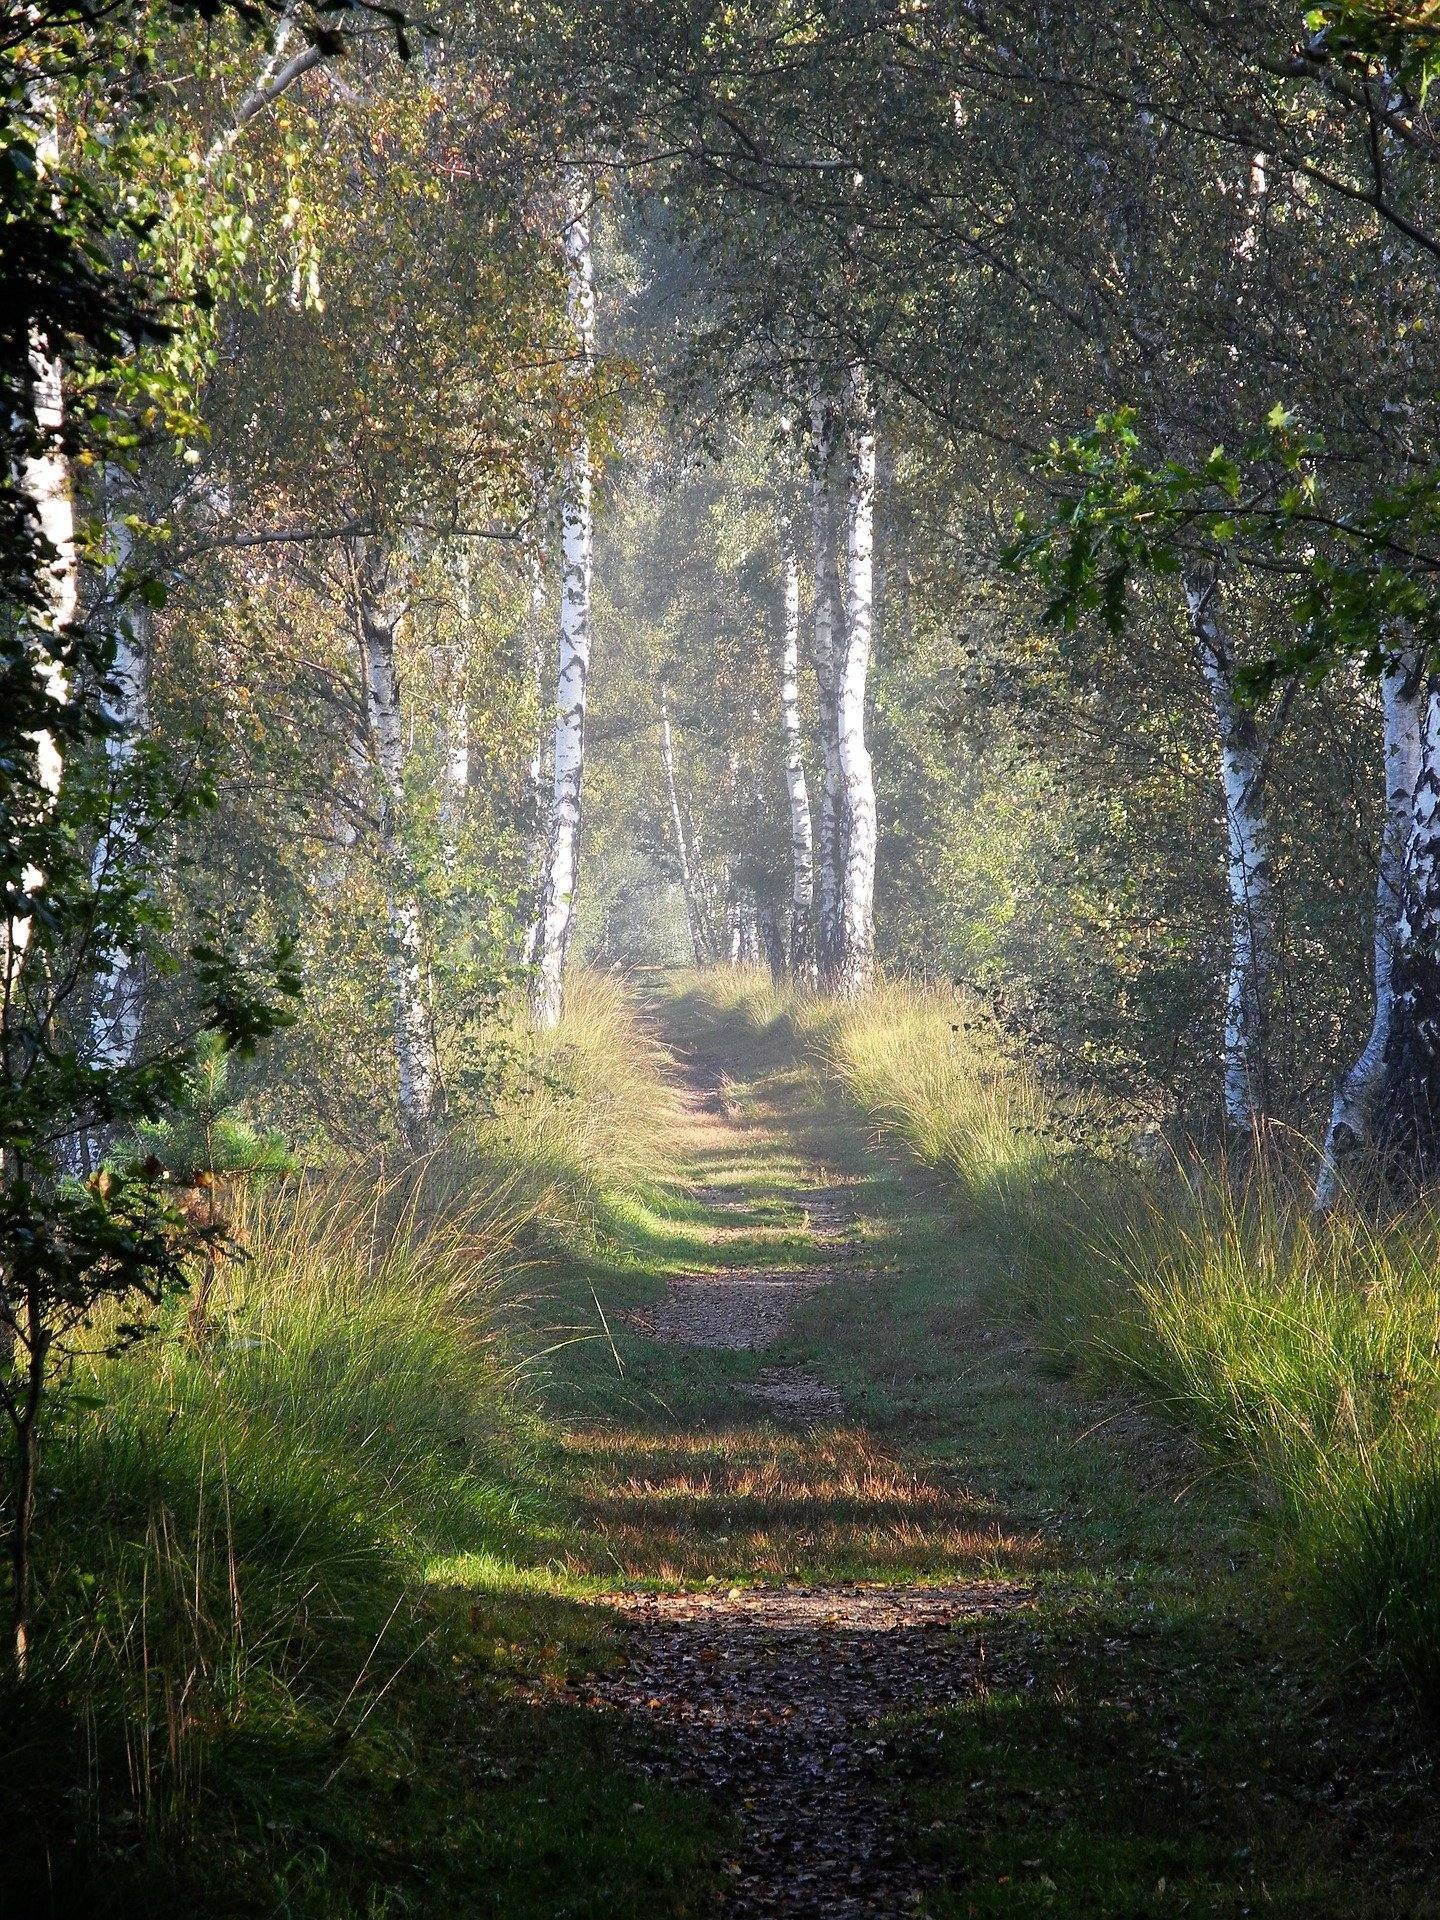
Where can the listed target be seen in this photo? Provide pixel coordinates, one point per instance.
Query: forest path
(929, 1631)
(778, 1697)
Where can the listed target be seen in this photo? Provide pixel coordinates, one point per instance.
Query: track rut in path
(742, 1309)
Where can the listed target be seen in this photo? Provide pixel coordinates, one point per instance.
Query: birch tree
(454, 664)
(1409, 1129)
(1247, 867)
(825, 587)
(562, 871)
(855, 960)
(696, 918)
(802, 846)
(1357, 1095)
(46, 483)
(118, 1003)
(536, 783)
(380, 604)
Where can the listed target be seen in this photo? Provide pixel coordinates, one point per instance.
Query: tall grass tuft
(920, 1061)
(749, 994)
(233, 1562)
(1304, 1350)
(592, 1111)
(253, 1520)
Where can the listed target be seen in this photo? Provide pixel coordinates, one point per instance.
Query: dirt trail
(742, 1308)
(774, 1700)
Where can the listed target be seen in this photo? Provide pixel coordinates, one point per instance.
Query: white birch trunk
(1248, 870)
(557, 917)
(735, 929)
(117, 1007)
(856, 963)
(826, 594)
(1408, 1124)
(536, 630)
(704, 880)
(455, 764)
(802, 843)
(536, 784)
(380, 606)
(749, 933)
(45, 479)
(456, 773)
(1352, 1118)
(694, 906)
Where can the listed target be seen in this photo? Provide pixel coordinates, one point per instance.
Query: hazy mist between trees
(903, 537)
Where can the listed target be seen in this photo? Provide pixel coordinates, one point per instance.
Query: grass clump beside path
(305, 1632)
(1304, 1350)
(589, 1123)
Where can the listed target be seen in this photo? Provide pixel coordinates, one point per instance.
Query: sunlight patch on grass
(761, 1503)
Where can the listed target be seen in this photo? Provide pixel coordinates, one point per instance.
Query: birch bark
(455, 666)
(537, 785)
(856, 958)
(1399, 1097)
(742, 939)
(802, 843)
(1353, 1116)
(557, 916)
(45, 479)
(380, 605)
(1248, 868)
(749, 941)
(117, 1008)
(830, 848)
(694, 906)
(1409, 1126)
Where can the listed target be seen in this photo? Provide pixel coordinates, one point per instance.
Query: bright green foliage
(1366, 573)
(209, 1133)
(689, 592)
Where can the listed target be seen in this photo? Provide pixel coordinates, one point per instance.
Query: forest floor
(907, 1624)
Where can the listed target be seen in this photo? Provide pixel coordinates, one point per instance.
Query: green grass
(1148, 1768)
(1156, 1731)
(307, 1626)
(1305, 1352)
(587, 1126)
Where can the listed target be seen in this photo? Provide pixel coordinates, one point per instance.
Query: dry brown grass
(762, 1503)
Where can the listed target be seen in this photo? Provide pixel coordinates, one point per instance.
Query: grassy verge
(307, 1627)
(589, 1124)
(1304, 1351)
(336, 1555)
